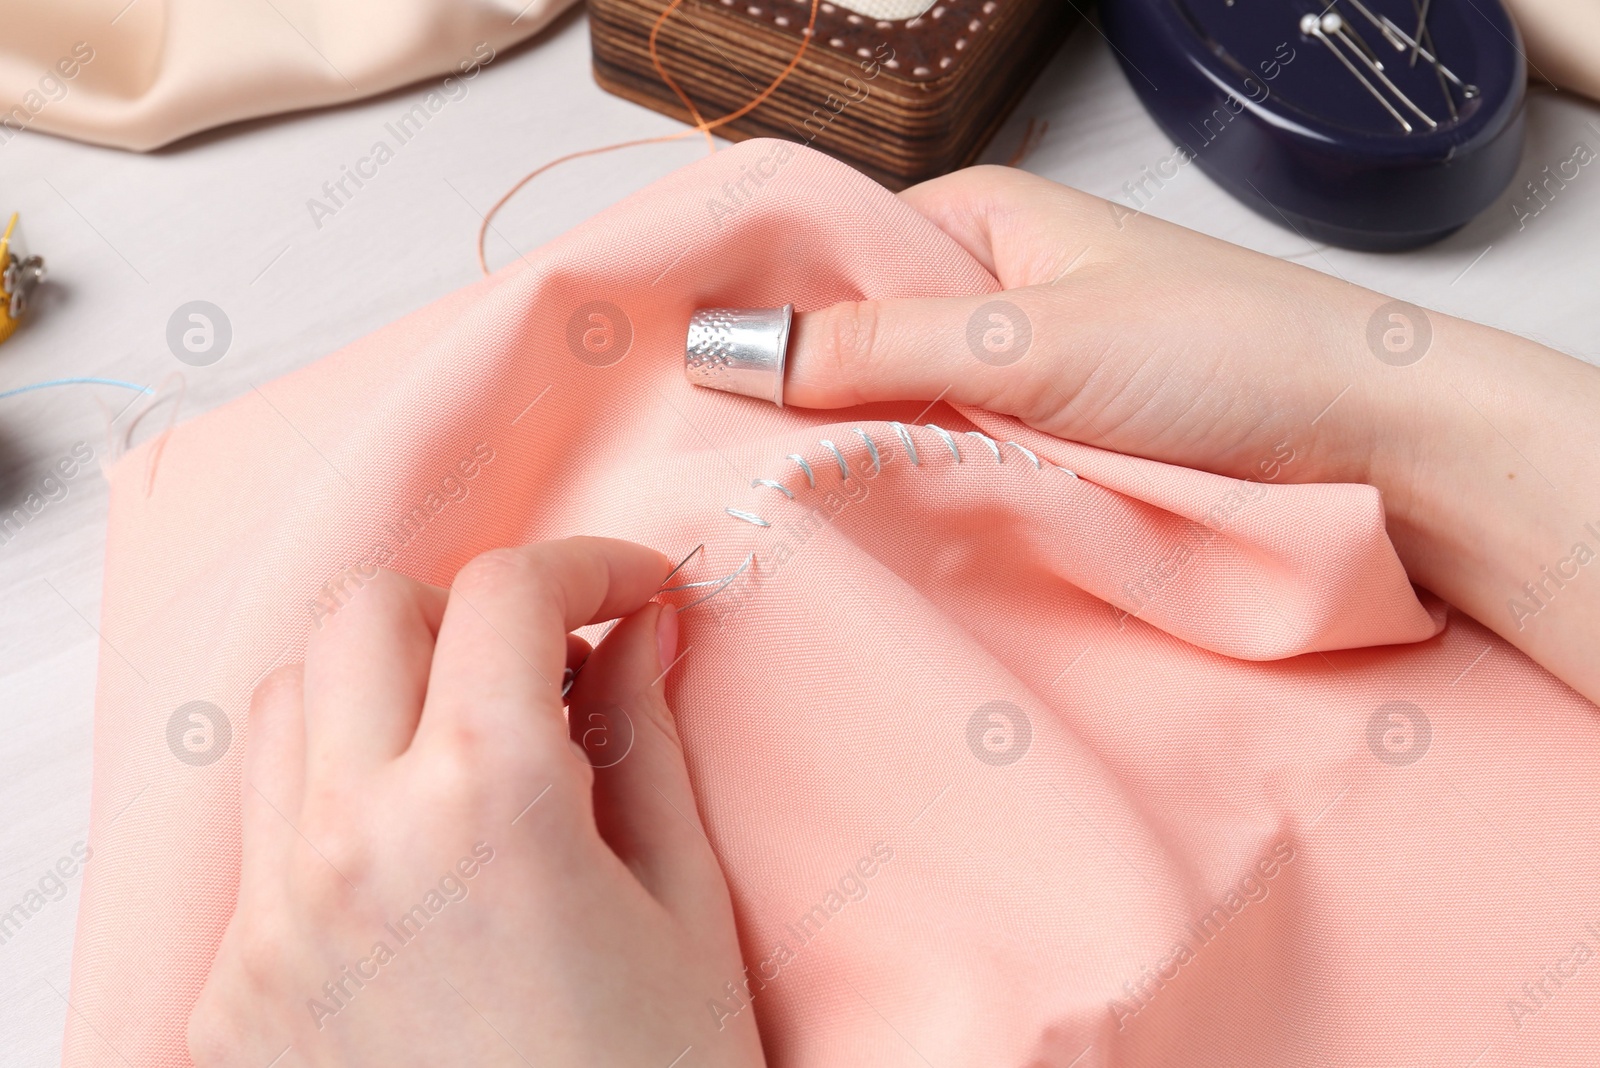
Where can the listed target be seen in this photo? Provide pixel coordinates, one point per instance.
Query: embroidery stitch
(810, 478)
(905, 439)
(844, 468)
(771, 484)
(717, 585)
(987, 440)
(1028, 453)
(948, 440)
(872, 447)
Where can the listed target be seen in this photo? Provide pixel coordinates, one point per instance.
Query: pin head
(1380, 124)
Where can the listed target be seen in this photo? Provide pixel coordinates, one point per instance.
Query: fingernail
(667, 636)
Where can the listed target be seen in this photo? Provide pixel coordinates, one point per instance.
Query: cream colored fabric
(1562, 38)
(892, 10)
(143, 74)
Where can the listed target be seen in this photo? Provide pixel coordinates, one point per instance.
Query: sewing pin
(1339, 30)
(1426, 37)
(1312, 26)
(1402, 40)
(1385, 27)
(1422, 28)
(1349, 30)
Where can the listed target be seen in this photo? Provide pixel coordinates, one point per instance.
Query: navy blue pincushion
(1372, 124)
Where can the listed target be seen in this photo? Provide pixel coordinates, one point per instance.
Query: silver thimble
(739, 350)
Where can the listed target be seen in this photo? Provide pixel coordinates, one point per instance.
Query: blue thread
(872, 447)
(948, 440)
(811, 479)
(770, 484)
(844, 468)
(76, 382)
(905, 439)
(722, 584)
(1028, 453)
(989, 442)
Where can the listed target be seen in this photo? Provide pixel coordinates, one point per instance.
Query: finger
(1001, 351)
(1019, 226)
(956, 205)
(274, 773)
(990, 350)
(367, 673)
(495, 688)
(644, 804)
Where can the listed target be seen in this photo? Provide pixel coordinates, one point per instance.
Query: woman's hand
(435, 872)
(1135, 335)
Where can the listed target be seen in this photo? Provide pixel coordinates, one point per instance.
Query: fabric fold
(140, 74)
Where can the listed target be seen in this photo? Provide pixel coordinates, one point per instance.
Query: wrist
(1488, 457)
(1372, 404)
(1415, 387)
(1444, 453)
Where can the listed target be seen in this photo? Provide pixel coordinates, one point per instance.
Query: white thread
(872, 448)
(905, 439)
(989, 442)
(1028, 453)
(844, 468)
(948, 440)
(770, 484)
(722, 584)
(689, 586)
(844, 473)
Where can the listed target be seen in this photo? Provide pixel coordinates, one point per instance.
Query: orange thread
(700, 124)
(1032, 136)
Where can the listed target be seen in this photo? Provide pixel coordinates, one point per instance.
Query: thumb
(985, 350)
(644, 804)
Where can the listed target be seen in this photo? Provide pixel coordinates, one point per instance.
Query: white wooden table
(224, 217)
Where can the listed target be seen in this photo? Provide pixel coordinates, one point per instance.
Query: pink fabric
(1221, 841)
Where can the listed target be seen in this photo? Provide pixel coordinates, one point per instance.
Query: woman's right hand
(440, 867)
(1129, 333)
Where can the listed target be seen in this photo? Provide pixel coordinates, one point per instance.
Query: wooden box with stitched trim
(903, 90)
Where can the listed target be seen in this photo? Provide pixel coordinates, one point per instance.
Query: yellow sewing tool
(20, 274)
